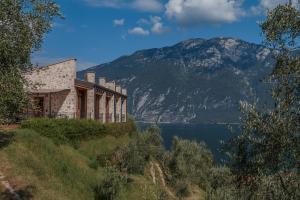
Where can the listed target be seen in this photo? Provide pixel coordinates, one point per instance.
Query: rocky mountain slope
(194, 81)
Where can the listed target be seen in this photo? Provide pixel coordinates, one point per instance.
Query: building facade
(57, 92)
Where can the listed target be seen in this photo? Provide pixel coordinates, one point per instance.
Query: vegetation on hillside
(23, 26)
(264, 158)
(113, 161)
(82, 159)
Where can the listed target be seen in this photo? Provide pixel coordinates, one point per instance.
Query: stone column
(124, 106)
(118, 109)
(102, 105)
(112, 108)
(90, 77)
(112, 102)
(102, 81)
(124, 110)
(118, 104)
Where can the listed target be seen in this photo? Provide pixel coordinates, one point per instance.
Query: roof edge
(59, 62)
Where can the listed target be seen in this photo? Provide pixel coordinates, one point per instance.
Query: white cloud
(104, 3)
(265, 5)
(157, 25)
(119, 22)
(143, 21)
(195, 12)
(138, 31)
(141, 5)
(147, 5)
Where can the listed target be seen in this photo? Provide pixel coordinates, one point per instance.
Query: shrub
(190, 161)
(146, 145)
(119, 129)
(111, 185)
(219, 177)
(183, 189)
(65, 130)
(72, 130)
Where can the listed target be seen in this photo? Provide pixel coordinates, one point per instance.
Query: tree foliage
(265, 157)
(190, 162)
(111, 186)
(146, 146)
(23, 24)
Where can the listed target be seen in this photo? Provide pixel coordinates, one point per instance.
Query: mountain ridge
(193, 81)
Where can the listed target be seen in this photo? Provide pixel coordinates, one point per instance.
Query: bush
(146, 145)
(275, 187)
(189, 161)
(111, 186)
(119, 129)
(72, 130)
(183, 189)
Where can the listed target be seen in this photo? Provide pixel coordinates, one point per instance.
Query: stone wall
(124, 110)
(102, 105)
(58, 76)
(90, 77)
(56, 84)
(118, 109)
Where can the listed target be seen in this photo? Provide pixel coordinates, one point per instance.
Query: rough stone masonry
(56, 92)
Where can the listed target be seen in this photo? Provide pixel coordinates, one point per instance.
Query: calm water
(211, 134)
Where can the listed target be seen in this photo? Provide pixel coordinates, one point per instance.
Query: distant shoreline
(216, 123)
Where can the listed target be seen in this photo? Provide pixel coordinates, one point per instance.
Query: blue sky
(99, 31)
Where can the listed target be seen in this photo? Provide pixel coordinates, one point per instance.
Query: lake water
(211, 134)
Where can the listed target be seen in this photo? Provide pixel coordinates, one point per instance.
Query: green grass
(74, 131)
(142, 188)
(60, 170)
(57, 172)
(63, 172)
(105, 145)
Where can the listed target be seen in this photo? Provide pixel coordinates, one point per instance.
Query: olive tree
(265, 157)
(23, 24)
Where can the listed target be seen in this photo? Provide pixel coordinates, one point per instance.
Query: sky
(99, 31)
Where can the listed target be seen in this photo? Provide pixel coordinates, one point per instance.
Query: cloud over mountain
(265, 5)
(195, 12)
(141, 5)
(119, 22)
(138, 31)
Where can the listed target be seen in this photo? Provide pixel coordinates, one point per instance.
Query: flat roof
(57, 62)
(46, 91)
(89, 85)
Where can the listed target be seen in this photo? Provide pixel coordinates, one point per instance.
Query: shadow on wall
(57, 101)
(25, 193)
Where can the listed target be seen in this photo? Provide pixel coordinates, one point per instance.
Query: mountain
(194, 81)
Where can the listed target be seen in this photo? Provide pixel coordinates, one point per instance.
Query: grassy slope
(35, 163)
(44, 170)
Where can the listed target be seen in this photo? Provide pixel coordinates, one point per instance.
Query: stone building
(57, 92)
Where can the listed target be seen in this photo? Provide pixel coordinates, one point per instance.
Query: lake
(211, 134)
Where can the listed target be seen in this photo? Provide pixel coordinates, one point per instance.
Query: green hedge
(72, 130)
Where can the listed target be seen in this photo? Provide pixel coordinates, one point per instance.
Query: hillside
(194, 81)
(37, 167)
(78, 159)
